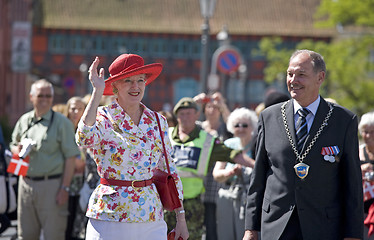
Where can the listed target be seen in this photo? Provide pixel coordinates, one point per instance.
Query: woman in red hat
(126, 143)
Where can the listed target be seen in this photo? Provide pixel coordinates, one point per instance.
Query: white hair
(241, 113)
(366, 120)
(38, 84)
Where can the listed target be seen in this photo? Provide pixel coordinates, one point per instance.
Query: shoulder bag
(165, 182)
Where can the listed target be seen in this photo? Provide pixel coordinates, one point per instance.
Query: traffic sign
(228, 61)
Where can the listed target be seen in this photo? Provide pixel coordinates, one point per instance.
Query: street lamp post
(207, 10)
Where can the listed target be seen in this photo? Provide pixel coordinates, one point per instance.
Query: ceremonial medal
(330, 153)
(329, 158)
(301, 170)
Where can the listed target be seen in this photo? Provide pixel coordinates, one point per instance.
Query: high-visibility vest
(192, 161)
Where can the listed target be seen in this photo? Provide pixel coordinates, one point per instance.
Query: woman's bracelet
(180, 212)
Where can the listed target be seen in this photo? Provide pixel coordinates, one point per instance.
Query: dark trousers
(4, 222)
(293, 229)
(210, 221)
(72, 208)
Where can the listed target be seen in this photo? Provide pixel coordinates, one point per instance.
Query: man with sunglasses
(43, 192)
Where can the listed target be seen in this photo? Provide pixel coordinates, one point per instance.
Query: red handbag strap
(163, 144)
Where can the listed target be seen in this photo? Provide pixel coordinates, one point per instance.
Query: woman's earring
(115, 90)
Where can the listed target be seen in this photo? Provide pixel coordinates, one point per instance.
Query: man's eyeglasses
(44, 96)
(243, 125)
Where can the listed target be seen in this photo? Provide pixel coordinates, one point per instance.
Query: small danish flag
(18, 166)
(368, 190)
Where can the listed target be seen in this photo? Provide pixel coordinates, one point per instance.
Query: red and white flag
(18, 166)
(368, 189)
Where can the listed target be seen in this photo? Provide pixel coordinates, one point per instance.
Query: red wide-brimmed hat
(127, 65)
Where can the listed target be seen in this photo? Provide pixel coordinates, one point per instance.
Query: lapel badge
(330, 154)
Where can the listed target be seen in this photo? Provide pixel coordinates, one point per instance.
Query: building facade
(66, 38)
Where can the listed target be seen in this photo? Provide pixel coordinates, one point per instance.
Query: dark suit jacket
(329, 200)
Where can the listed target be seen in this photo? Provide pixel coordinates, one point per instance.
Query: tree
(345, 12)
(349, 61)
(277, 57)
(350, 72)
(350, 69)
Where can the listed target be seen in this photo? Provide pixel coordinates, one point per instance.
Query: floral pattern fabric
(123, 150)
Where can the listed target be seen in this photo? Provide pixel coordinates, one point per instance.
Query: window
(119, 45)
(185, 87)
(140, 46)
(57, 44)
(159, 47)
(235, 90)
(255, 90)
(180, 48)
(99, 45)
(77, 44)
(195, 49)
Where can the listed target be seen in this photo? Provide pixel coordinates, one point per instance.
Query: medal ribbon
(333, 150)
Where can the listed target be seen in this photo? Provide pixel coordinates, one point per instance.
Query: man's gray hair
(40, 83)
(318, 62)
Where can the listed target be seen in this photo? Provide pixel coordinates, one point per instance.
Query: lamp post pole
(204, 54)
(207, 9)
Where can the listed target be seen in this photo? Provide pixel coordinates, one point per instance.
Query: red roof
(243, 17)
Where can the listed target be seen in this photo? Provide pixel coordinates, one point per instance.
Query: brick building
(68, 34)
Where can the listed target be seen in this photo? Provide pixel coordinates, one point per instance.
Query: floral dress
(125, 151)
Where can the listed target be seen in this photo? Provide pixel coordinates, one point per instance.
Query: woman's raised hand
(98, 86)
(96, 78)
(200, 98)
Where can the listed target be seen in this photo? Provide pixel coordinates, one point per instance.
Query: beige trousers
(37, 210)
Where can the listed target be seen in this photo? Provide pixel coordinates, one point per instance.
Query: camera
(207, 99)
(27, 145)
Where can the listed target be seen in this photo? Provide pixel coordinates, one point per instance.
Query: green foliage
(345, 12)
(276, 55)
(350, 73)
(349, 61)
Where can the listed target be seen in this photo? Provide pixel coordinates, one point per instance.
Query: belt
(124, 183)
(44, 177)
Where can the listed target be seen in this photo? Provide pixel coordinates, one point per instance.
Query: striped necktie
(301, 128)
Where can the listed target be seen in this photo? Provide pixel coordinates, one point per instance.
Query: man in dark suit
(306, 182)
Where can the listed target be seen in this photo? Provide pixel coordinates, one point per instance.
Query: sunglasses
(243, 125)
(44, 96)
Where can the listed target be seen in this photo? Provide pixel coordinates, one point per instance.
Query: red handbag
(171, 235)
(165, 182)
